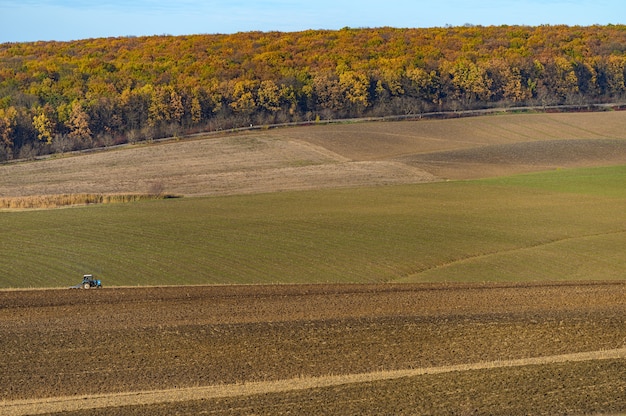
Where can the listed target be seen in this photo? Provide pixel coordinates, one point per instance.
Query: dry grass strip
(74, 403)
(66, 200)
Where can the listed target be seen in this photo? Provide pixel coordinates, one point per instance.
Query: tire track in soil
(140, 398)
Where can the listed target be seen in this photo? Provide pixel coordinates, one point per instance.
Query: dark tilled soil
(70, 342)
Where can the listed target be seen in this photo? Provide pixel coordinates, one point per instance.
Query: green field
(559, 225)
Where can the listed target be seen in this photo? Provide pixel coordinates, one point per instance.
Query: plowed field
(315, 349)
(334, 156)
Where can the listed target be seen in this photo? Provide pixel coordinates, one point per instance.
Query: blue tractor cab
(89, 282)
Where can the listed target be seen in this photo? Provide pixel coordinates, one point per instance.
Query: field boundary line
(508, 251)
(138, 398)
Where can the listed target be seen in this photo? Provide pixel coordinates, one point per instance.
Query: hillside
(60, 96)
(332, 156)
(462, 266)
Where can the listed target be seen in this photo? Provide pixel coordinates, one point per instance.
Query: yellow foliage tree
(7, 124)
(471, 81)
(44, 126)
(244, 96)
(269, 96)
(78, 123)
(616, 67)
(355, 86)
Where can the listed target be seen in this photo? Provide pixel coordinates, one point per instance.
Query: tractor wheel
(86, 285)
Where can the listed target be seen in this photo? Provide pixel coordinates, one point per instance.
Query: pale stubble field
(333, 156)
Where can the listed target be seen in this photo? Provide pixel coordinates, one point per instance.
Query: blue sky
(32, 20)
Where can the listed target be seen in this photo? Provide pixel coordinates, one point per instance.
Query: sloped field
(505, 159)
(431, 348)
(235, 164)
(331, 156)
(482, 146)
(563, 225)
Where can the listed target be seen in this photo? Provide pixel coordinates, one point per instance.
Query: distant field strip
(99, 401)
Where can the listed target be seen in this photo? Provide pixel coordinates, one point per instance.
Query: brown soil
(175, 399)
(327, 156)
(507, 159)
(59, 343)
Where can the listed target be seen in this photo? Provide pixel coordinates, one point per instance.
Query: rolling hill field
(309, 204)
(464, 266)
(331, 156)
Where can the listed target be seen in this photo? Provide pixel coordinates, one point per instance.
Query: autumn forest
(62, 96)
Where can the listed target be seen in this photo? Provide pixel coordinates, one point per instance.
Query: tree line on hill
(61, 96)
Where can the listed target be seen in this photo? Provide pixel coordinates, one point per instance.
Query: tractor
(88, 283)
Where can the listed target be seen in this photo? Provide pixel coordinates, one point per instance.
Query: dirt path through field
(75, 403)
